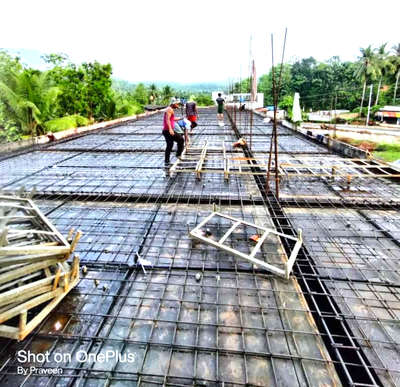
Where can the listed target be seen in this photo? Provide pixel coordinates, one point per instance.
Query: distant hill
(205, 87)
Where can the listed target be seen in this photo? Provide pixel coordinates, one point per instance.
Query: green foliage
(166, 94)
(10, 133)
(67, 122)
(97, 82)
(141, 95)
(286, 103)
(334, 84)
(204, 100)
(29, 99)
(388, 152)
(84, 90)
(55, 59)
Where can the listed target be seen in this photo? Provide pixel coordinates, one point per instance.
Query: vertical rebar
(275, 94)
(251, 130)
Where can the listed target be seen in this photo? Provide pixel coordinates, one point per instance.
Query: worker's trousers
(170, 143)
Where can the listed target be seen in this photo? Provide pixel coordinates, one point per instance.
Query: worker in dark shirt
(191, 113)
(220, 110)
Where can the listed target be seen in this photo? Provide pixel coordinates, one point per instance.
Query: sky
(195, 41)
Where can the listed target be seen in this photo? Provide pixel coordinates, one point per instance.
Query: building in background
(389, 114)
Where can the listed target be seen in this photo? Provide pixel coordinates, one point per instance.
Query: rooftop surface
(334, 322)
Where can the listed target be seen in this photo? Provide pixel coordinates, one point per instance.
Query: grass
(383, 151)
(387, 152)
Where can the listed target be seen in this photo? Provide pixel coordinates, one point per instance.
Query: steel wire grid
(335, 302)
(358, 254)
(229, 327)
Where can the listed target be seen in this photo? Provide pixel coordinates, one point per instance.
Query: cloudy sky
(195, 41)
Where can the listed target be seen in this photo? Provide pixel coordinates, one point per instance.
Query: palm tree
(395, 59)
(384, 67)
(153, 92)
(167, 93)
(29, 99)
(367, 69)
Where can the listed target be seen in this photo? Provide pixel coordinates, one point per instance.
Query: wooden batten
(33, 268)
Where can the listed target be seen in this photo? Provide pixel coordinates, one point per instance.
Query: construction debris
(34, 274)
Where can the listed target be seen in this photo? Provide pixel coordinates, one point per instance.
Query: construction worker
(192, 113)
(182, 127)
(168, 131)
(220, 109)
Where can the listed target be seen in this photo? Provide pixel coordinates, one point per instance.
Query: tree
(97, 79)
(140, 94)
(153, 91)
(55, 59)
(303, 80)
(29, 99)
(367, 70)
(395, 60)
(287, 104)
(384, 67)
(166, 94)
(73, 93)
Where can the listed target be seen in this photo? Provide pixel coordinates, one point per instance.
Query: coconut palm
(166, 93)
(384, 67)
(153, 92)
(29, 99)
(395, 60)
(367, 69)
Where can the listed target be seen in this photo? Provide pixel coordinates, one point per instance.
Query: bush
(204, 100)
(388, 147)
(128, 109)
(65, 123)
(388, 152)
(10, 133)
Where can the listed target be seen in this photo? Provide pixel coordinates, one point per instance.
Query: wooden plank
(201, 161)
(22, 320)
(14, 295)
(29, 305)
(75, 241)
(20, 281)
(48, 224)
(9, 332)
(28, 259)
(17, 273)
(39, 318)
(37, 249)
(17, 299)
(56, 278)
